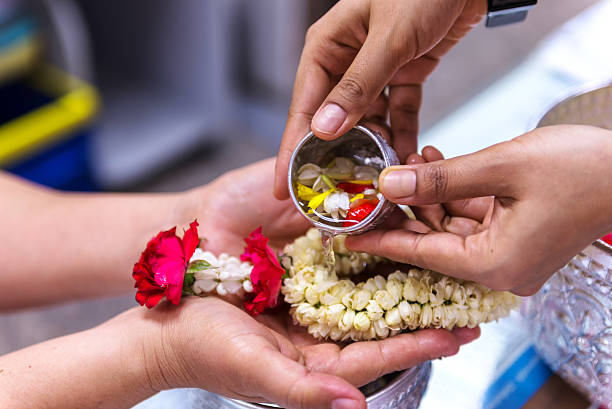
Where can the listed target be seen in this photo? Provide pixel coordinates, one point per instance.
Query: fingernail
(399, 183)
(329, 119)
(344, 403)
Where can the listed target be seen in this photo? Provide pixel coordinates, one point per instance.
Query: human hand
(211, 344)
(356, 50)
(237, 203)
(551, 198)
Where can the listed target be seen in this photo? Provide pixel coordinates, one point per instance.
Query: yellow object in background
(76, 103)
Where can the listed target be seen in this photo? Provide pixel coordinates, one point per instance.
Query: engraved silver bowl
(571, 316)
(402, 390)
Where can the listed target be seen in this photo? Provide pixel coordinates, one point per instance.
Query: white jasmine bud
(306, 314)
(488, 301)
(204, 286)
(232, 286)
(361, 321)
(410, 289)
(393, 318)
(380, 326)
(395, 288)
(462, 317)
(385, 299)
(347, 320)
(361, 299)
(436, 295)
(380, 282)
(375, 312)
(458, 296)
(247, 285)
(336, 334)
(370, 285)
(333, 314)
(426, 315)
(311, 295)
(398, 276)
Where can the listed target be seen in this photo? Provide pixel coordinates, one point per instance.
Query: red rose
(266, 275)
(161, 268)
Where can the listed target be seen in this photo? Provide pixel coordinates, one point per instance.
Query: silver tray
(571, 316)
(403, 390)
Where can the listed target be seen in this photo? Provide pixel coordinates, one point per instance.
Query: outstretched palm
(270, 359)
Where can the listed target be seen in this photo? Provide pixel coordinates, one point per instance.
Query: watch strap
(502, 12)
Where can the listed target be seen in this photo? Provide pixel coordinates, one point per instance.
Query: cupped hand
(237, 203)
(356, 50)
(537, 200)
(211, 344)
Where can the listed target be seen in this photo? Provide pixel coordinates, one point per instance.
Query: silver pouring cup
(358, 143)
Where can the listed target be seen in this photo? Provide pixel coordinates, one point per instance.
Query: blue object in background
(518, 383)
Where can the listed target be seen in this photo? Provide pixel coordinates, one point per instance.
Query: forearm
(99, 368)
(56, 246)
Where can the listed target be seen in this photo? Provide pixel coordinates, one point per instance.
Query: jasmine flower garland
(332, 306)
(340, 305)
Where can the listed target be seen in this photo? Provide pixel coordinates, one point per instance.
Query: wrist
(153, 346)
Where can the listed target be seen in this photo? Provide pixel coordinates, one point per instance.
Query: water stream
(327, 241)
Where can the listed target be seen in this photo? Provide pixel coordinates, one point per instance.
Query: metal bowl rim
(562, 98)
(566, 96)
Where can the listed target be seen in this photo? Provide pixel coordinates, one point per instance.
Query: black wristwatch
(503, 12)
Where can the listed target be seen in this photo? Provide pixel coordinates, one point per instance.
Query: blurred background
(152, 95)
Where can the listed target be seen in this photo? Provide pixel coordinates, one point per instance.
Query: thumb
(359, 87)
(292, 386)
(495, 171)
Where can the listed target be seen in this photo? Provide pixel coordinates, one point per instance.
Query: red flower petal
(162, 266)
(190, 240)
(266, 275)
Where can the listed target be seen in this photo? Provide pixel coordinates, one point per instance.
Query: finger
(404, 106)
(447, 253)
(475, 209)
(363, 362)
(461, 226)
(431, 215)
(360, 85)
(377, 111)
(312, 84)
(431, 154)
(289, 384)
(497, 171)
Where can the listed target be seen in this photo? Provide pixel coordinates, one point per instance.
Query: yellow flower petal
(357, 197)
(362, 182)
(318, 199)
(304, 192)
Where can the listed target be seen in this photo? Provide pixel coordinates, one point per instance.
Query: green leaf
(198, 265)
(188, 282)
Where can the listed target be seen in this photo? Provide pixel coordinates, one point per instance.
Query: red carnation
(266, 275)
(162, 266)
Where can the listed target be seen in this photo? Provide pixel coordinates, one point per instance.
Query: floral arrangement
(343, 303)
(172, 267)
